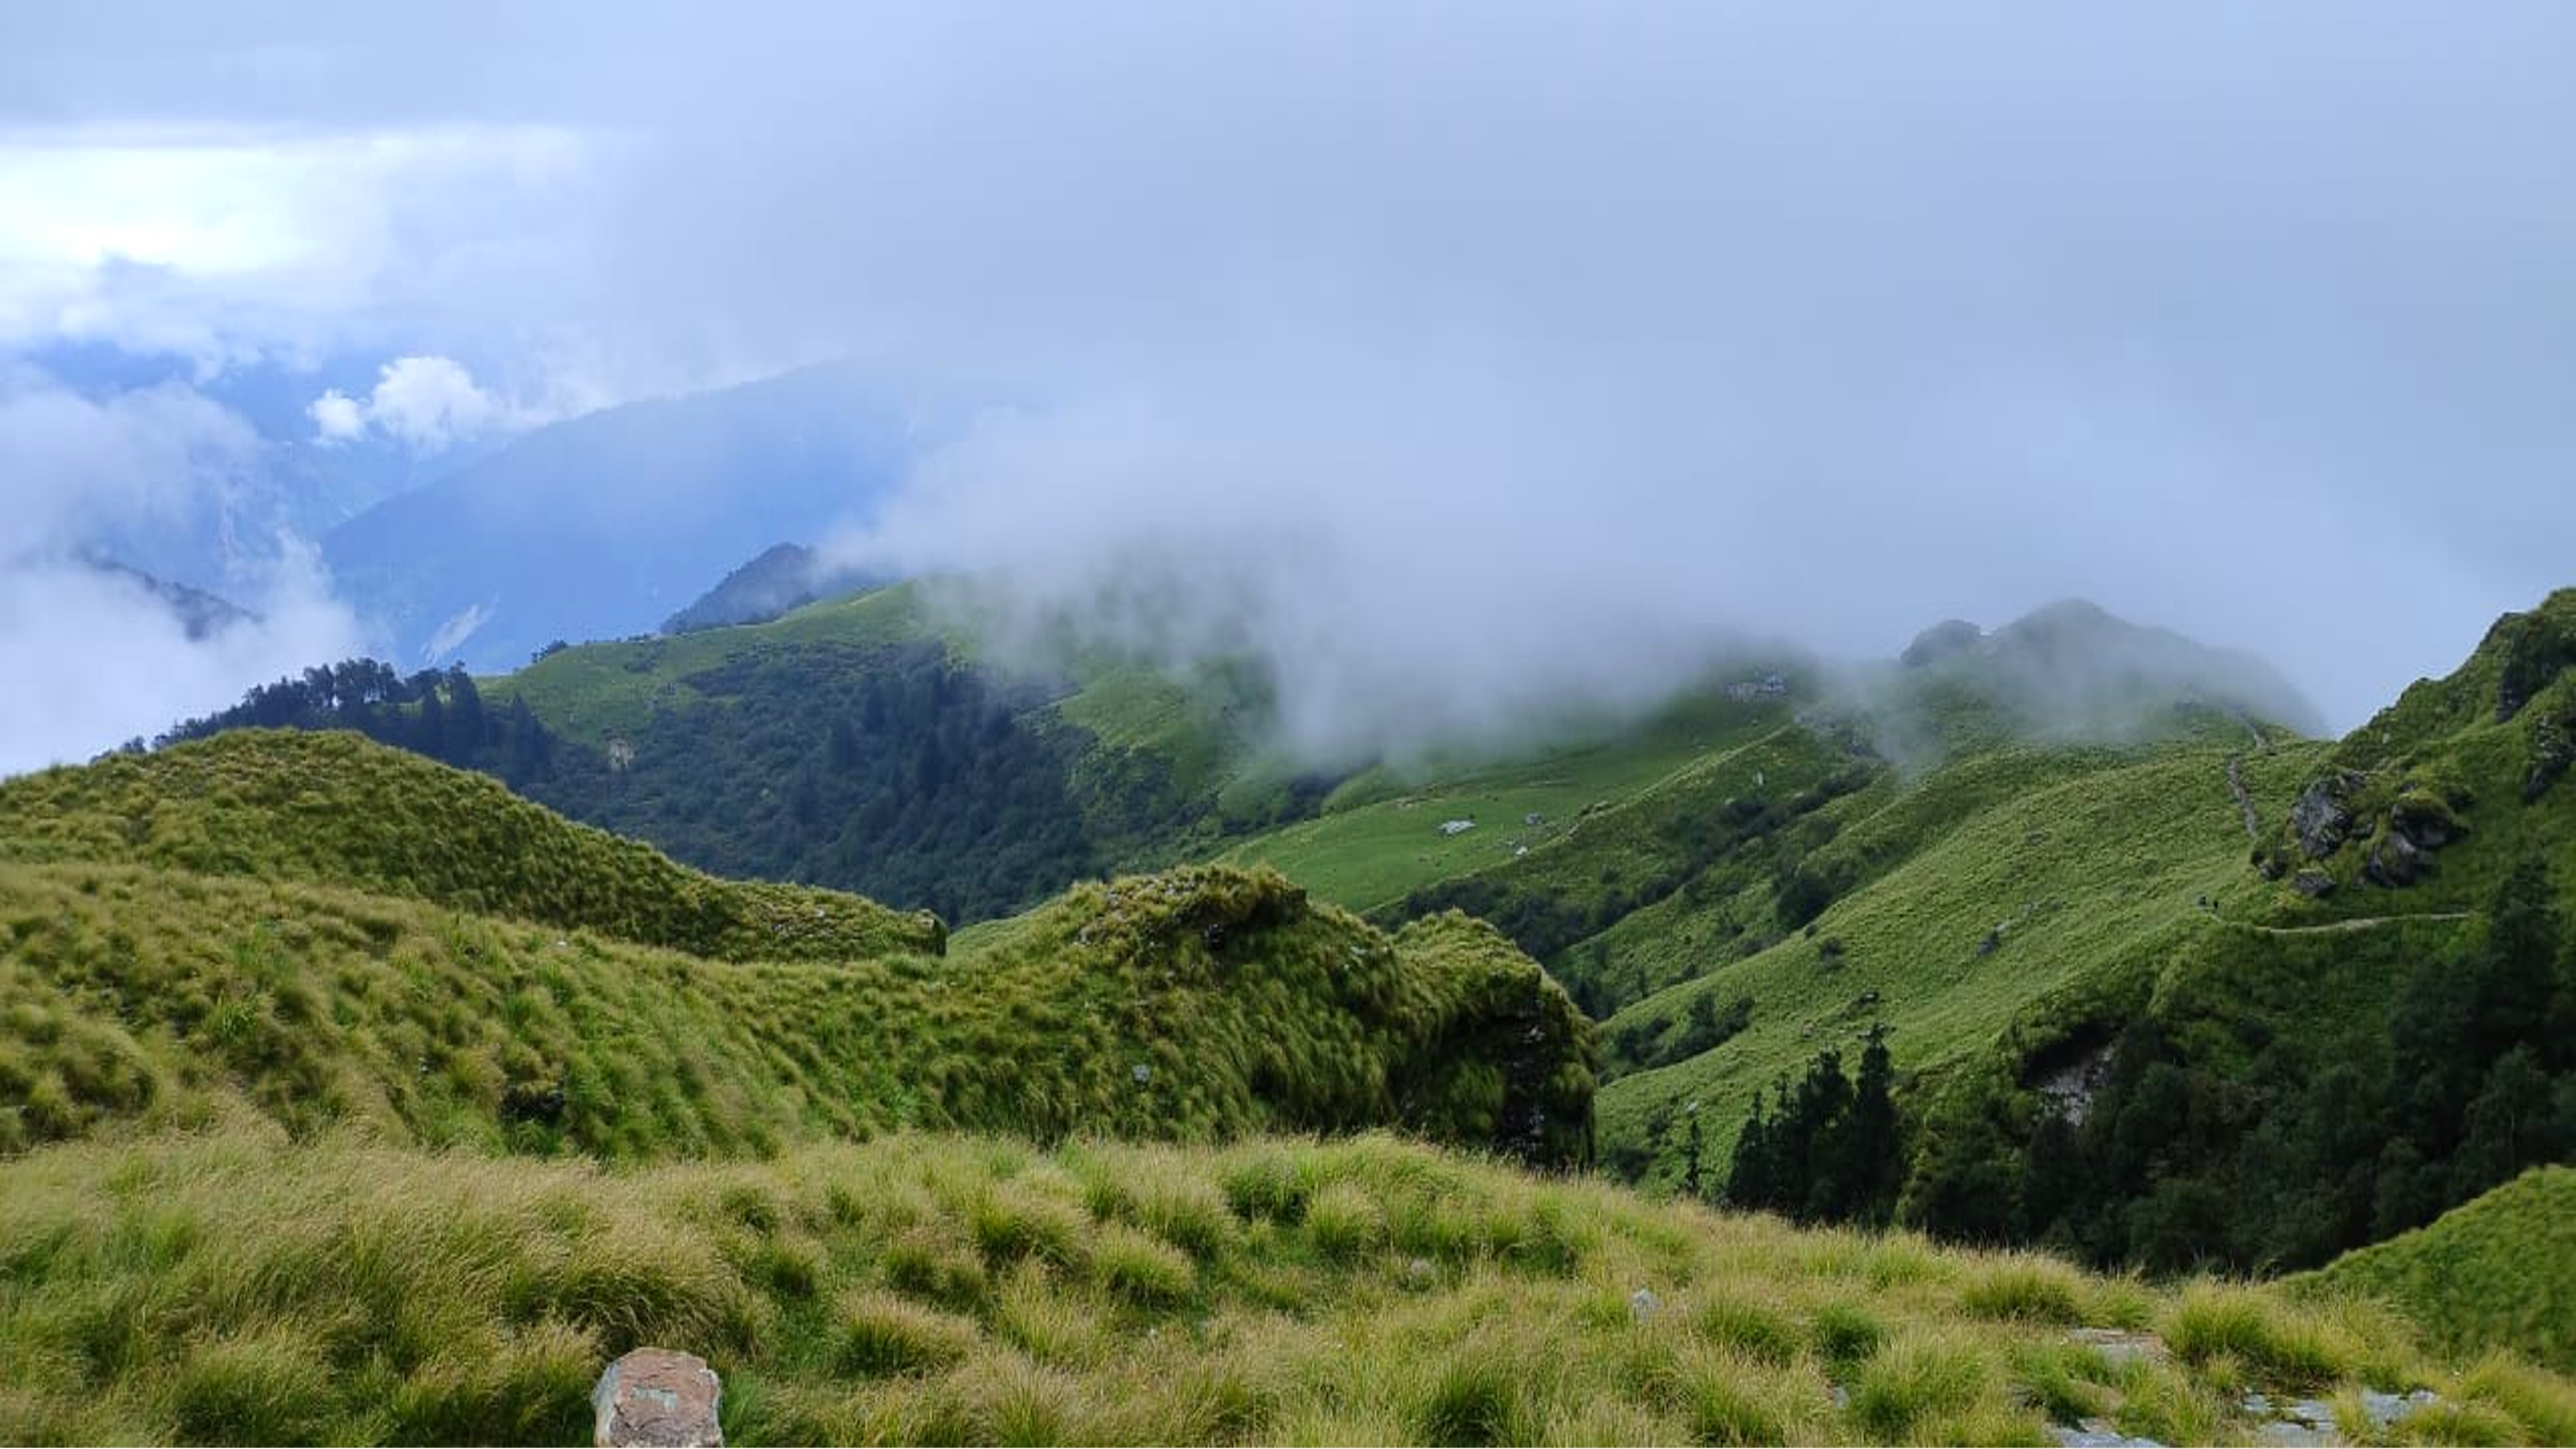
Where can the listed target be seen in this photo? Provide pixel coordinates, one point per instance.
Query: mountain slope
(784, 577)
(2257, 1001)
(335, 809)
(2472, 1278)
(601, 526)
(303, 915)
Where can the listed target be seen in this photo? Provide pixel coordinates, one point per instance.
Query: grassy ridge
(331, 931)
(969, 1290)
(1197, 1005)
(2479, 1277)
(337, 809)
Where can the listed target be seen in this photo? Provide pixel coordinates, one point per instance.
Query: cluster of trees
(895, 772)
(1829, 1148)
(2182, 1157)
(437, 713)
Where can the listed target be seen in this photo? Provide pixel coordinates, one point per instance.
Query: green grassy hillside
(242, 964)
(2005, 885)
(2252, 1001)
(975, 1290)
(2483, 1275)
(333, 808)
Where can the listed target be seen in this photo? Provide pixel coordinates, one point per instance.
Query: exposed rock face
(657, 1397)
(2418, 825)
(2320, 818)
(2396, 861)
(2313, 883)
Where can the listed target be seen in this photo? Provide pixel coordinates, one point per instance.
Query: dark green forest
(2181, 1157)
(894, 772)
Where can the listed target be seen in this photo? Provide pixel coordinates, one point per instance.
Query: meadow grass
(2085, 877)
(2494, 1271)
(335, 808)
(233, 1284)
(205, 954)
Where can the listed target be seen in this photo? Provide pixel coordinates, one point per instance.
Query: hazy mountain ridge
(596, 528)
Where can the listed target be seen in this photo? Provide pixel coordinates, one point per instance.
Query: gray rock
(2387, 1409)
(1643, 1303)
(2316, 1413)
(2312, 883)
(659, 1398)
(2319, 817)
(2395, 862)
(2098, 1434)
(2295, 1436)
(2118, 1346)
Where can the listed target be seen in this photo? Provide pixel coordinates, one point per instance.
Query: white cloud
(425, 403)
(214, 242)
(93, 657)
(338, 417)
(73, 465)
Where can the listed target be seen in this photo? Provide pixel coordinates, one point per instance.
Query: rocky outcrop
(657, 1397)
(2321, 818)
(2419, 824)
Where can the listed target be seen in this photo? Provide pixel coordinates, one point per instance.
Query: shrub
(881, 1333)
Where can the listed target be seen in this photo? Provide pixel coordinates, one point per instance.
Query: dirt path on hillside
(2357, 923)
(2244, 798)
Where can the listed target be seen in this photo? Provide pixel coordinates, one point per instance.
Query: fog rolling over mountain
(601, 527)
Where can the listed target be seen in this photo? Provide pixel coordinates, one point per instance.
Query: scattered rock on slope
(2321, 817)
(654, 1396)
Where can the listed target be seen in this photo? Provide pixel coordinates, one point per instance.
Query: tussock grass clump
(885, 1333)
(1922, 1388)
(1344, 1222)
(2025, 1288)
(234, 1284)
(2259, 1330)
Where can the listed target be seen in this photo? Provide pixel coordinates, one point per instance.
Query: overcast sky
(1532, 337)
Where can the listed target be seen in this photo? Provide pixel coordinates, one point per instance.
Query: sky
(1475, 353)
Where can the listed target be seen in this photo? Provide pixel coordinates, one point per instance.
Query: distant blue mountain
(602, 526)
(291, 485)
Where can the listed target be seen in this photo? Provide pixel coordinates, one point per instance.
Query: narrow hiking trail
(2244, 798)
(2356, 923)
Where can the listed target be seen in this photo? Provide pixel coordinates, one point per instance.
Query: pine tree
(1876, 1153)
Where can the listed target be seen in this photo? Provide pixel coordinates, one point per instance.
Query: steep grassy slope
(2426, 807)
(967, 1290)
(336, 809)
(1196, 1004)
(2482, 1275)
(2009, 883)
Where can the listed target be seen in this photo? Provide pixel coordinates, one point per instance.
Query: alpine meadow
(1144, 724)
